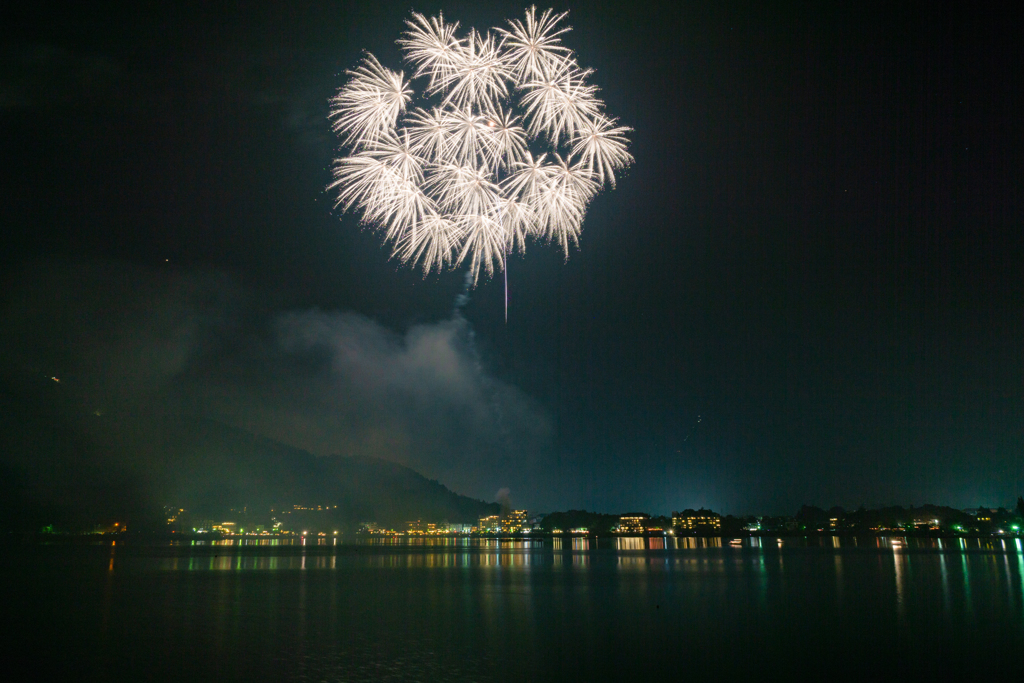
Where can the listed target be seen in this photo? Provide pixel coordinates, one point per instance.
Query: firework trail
(509, 141)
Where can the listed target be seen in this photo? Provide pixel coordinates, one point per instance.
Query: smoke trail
(492, 388)
(462, 300)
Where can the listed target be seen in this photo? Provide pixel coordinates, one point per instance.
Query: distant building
(489, 525)
(417, 527)
(513, 522)
(634, 522)
(172, 513)
(697, 521)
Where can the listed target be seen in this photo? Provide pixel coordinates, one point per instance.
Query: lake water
(483, 610)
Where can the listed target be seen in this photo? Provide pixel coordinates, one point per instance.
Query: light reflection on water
(917, 571)
(1020, 564)
(271, 554)
(904, 575)
(899, 565)
(943, 562)
(445, 608)
(576, 542)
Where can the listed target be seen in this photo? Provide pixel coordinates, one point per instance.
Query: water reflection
(763, 578)
(837, 558)
(236, 562)
(967, 586)
(530, 592)
(899, 562)
(629, 543)
(1010, 592)
(912, 572)
(1020, 568)
(694, 543)
(108, 585)
(632, 562)
(943, 561)
(306, 555)
(420, 610)
(998, 545)
(244, 542)
(661, 542)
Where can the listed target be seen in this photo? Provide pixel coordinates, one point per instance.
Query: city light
(889, 523)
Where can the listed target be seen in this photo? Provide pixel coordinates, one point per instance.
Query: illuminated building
(489, 525)
(633, 522)
(172, 513)
(513, 521)
(417, 527)
(697, 521)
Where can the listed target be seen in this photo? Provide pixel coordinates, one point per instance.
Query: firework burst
(511, 142)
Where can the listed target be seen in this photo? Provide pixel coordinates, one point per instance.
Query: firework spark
(511, 142)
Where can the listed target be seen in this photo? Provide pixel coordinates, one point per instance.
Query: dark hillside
(64, 465)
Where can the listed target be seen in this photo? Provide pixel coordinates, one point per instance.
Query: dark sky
(806, 289)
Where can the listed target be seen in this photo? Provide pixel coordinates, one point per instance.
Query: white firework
(431, 46)
(505, 139)
(602, 147)
(369, 104)
(532, 48)
(480, 75)
(509, 141)
(561, 103)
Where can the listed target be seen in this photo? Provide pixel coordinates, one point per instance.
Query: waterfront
(487, 609)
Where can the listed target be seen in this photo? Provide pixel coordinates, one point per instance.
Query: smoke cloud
(126, 341)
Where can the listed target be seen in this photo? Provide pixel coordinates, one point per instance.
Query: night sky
(806, 289)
